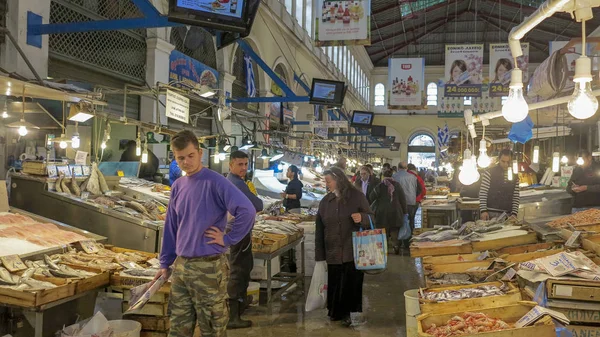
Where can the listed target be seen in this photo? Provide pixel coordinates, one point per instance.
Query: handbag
(405, 232)
(370, 248)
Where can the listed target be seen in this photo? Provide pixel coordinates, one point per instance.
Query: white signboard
(405, 82)
(463, 70)
(501, 65)
(342, 22)
(178, 107)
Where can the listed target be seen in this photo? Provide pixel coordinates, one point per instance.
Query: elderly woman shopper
(341, 212)
(389, 206)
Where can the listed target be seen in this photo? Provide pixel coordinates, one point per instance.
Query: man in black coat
(366, 182)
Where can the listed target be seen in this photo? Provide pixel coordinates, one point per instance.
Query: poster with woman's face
(463, 70)
(501, 66)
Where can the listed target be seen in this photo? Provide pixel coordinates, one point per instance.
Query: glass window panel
(309, 17)
(379, 94)
(299, 11)
(288, 6)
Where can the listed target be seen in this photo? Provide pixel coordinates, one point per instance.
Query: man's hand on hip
(216, 234)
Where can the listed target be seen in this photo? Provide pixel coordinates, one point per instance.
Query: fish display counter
(125, 221)
(267, 185)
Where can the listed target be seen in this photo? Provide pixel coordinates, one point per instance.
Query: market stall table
(447, 210)
(290, 278)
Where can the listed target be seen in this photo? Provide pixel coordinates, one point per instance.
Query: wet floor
(383, 308)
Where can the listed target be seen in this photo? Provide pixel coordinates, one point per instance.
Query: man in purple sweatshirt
(194, 242)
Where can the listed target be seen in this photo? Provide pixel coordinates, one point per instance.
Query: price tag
(13, 263)
(52, 172)
(89, 246)
(510, 274)
(120, 173)
(571, 241)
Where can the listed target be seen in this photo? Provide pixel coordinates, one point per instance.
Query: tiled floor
(383, 304)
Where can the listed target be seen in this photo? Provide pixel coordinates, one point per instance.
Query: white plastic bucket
(125, 328)
(254, 291)
(413, 309)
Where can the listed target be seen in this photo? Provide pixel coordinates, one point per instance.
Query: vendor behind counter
(584, 184)
(147, 170)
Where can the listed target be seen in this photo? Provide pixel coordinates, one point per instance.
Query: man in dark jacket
(367, 182)
(584, 184)
(147, 170)
(240, 257)
(499, 192)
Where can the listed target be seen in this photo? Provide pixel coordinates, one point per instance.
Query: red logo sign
(406, 66)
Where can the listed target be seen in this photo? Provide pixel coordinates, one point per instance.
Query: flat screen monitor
(378, 131)
(389, 140)
(226, 38)
(395, 147)
(234, 16)
(362, 119)
(327, 92)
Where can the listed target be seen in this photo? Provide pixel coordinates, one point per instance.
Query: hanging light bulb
(5, 111)
(138, 145)
(75, 141)
(216, 158)
(468, 174)
(536, 154)
(583, 104)
(63, 144)
(564, 159)
(509, 174)
(22, 130)
(103, 145)
(579, 161)
(145, 154)
(555, 162)
(515, 166)
(515, 109)
(484, 160)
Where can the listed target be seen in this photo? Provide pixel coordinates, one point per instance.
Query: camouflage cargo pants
(199, 296)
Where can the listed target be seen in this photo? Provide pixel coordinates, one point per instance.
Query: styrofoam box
(259, 272)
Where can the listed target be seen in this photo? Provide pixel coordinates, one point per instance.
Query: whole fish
(83, 185)
(103, 185)
(38, 285)
(74, 185)
(57, 186)
(63, 274)
(50, 263)
(28, 273)
(5, 276)
(140, 272)
(136, 206)
(64, 186)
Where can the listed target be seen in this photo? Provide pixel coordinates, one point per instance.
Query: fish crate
(584, 330)
(577, 312)
(445, 259)
(127, 282)
(496, 244)
(472, 276)
(525, 248)
(35, 167)
(151, 323)
(465, 248)
(149, 309)
(139, 252)
(460, 267)
(266, 245)
(518, 258)
(578, 290)
(156, 298)
(90, 283)
(509, 314)
(512, 296)
(30, 299)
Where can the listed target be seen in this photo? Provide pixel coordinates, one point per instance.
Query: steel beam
(269, 99)
(89, 26)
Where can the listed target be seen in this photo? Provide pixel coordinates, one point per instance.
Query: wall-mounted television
(234, 16)
(327, 92)
(389, 140)
(378, 131)
(362, 119)
(395, 147)
(226, 38)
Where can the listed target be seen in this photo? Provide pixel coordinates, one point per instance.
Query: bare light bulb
(22, 130)
(583, 104)
(138, 146)
(555, 162)
(536, 154)
(515, 109)
(564, 159)
(145, 156)
(4, 114)
(579, 161)
(484, 160)
(103, 145)
(62, 144)
(468, 174)
(75, 141)
(515, 166)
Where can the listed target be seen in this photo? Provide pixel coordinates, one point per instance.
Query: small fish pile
(105, 259)
(148, 273)
(52, 267)
(468, 323)
(23, 282)
(469, 230)
(146, 209)
(95, 183)
(461, 294)
(587, 217)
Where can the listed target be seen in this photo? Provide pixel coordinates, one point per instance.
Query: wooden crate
(139, 252)
(29, 299)
(584, 331)
(525, 248)
(475, 277)
(151, 323)
(510, 314)
(437, 251)
(517, 258)
(149, 309)
(459, 267)
(444, 259)
(156, 298)
(94, 282)
(512, 296)
(127, 282)
(482, 246)
(583, 290)
(576, 311)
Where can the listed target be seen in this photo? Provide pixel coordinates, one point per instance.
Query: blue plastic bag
(405, 232)
(522, 131)
(370, 248)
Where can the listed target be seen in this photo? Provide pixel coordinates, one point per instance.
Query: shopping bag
(405, 232)
(370, 248)
(317, 293)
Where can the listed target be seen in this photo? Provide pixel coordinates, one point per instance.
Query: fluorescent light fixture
(80, 113)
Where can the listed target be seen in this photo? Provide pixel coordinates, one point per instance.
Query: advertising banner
(463, 71)
(189, 73)
(406, 82)
(501, 66)
(343, 23)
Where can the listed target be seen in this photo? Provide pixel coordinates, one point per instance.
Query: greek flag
(250, 87)
(442, 139)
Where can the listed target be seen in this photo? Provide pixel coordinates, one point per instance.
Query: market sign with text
(342, 22)
(405, 83)
(463, 70)
(189, 73)
(501, 65)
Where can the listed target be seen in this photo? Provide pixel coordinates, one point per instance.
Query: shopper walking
(421, 188)
(366, 182)
(293, 192)
(409, 185)
(584, 184)
(340, 213)
(194, 243)
(240, 254)
(389, 206)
